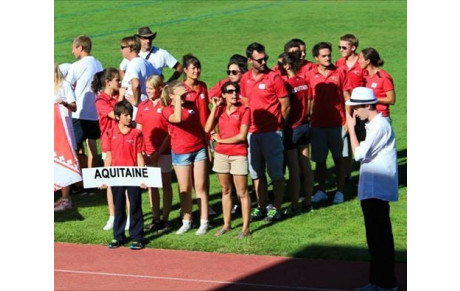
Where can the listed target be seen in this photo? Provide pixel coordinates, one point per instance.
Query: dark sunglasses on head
(231, 91)
(342, 47)
(261, 60)
(233, 72)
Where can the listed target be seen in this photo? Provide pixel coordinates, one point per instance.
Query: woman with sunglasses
(296, 136)
(237, 66)
(188, 152)
(230, 160)
(378, 80)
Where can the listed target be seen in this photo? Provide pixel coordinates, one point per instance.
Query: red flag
(66, 167)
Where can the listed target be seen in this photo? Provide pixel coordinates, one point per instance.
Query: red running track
(91, 267)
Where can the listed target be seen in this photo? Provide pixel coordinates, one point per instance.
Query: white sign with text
(122, 176)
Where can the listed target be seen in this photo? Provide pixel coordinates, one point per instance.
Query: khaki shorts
(235, 165)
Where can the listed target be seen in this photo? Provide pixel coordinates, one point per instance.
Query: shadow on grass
(316, 274)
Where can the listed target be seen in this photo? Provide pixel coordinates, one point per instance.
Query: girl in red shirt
(188, 151)
(296, 137)
(230, 160)
(157, 150)
(106, 84)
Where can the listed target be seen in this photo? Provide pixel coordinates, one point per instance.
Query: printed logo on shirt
(374, 85)
(130, 141)
(262, 86)
(334, 78)
(146, 108)
(159, 110)
(300, 88)
(236, 116)
(202, 96)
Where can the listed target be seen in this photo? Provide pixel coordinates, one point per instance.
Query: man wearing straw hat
(378, 185)
(158, 57)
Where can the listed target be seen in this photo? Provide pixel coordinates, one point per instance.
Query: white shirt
(159, 58)
(80, 76)
(379, 166)
(138, 68)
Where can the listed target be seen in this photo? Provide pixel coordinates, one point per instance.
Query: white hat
(362, 95)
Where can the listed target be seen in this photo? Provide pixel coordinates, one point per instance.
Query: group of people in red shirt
(259, 119)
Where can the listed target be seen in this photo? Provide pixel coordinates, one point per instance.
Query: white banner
(122, 176)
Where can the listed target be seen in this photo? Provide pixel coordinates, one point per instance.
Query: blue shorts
(266, 149)
(294, 137)
(189, 158)
(324, 139)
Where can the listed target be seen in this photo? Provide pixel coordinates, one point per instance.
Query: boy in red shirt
(124, 148)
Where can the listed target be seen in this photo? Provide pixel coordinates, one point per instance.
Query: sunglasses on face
(342, 47)
(233, 72)
(261, 60)
(231, 91)
(124, 46)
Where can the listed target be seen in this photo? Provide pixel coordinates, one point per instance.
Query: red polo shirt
(104, 105)
(305, 68)
(381, 83)
(355, 73)
(187, 136)
(215, 90)
(125, 147)
(298, 95)
(154, 126)
(200, 98)
(262, 95)
(230, 125)
(328, 101)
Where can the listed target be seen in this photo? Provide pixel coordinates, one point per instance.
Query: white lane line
(189, 280)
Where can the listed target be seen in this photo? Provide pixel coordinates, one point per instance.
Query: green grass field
(213, 31)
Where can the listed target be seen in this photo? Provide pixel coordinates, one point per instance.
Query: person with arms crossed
(158, 57)
(230, 160)
(378, 185)
(269, 102)
(80, 76)
(329, 88)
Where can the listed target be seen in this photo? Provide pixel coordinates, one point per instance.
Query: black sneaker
(114, 244)
(155, 226)
(306, 208)
(136, 245)
(166, 227)
(273, 215)
(257, 214)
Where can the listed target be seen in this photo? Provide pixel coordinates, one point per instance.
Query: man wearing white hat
(378, 185)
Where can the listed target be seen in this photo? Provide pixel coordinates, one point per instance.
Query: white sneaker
(204, 224)
(338, 198)
(127, 223)
(186, 225)
(109, 224)
(319, 196)
(269, 207)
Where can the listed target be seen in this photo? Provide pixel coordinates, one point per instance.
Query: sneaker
(306, 208)
(65, 204)
(186, 225)
(235, 208)
(319, 196)
(338, 198)
(109, 223)
(155, 226)
(136, 245)
(204, 224)
(269, 207)
(292, 211)
(257, 214)
(114, 244)
(273, 215)
(166, 227)
(127, 223)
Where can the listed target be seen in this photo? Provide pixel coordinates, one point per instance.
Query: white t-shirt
(66, 94)
(138, 68)
(159, 58)
(80, 76)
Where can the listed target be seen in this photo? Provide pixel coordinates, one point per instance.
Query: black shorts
(85, 129)
(292, 138)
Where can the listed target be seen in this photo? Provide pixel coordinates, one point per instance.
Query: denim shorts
(189, 158)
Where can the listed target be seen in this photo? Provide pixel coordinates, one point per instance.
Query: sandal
(242, 235)
(221, 232)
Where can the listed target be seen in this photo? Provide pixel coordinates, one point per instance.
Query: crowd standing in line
(260, 119)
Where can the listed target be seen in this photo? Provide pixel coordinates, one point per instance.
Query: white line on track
(189, 280)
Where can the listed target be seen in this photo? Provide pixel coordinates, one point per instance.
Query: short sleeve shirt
(105, 105)
(159, 58)
(263, 97)
(355, 73)
(381, 83)
(229, 125)
(200, 98)
(328, 100)
(154, 126)
(187, 136)
(125, 147)
(140, 69)
(298, 95)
